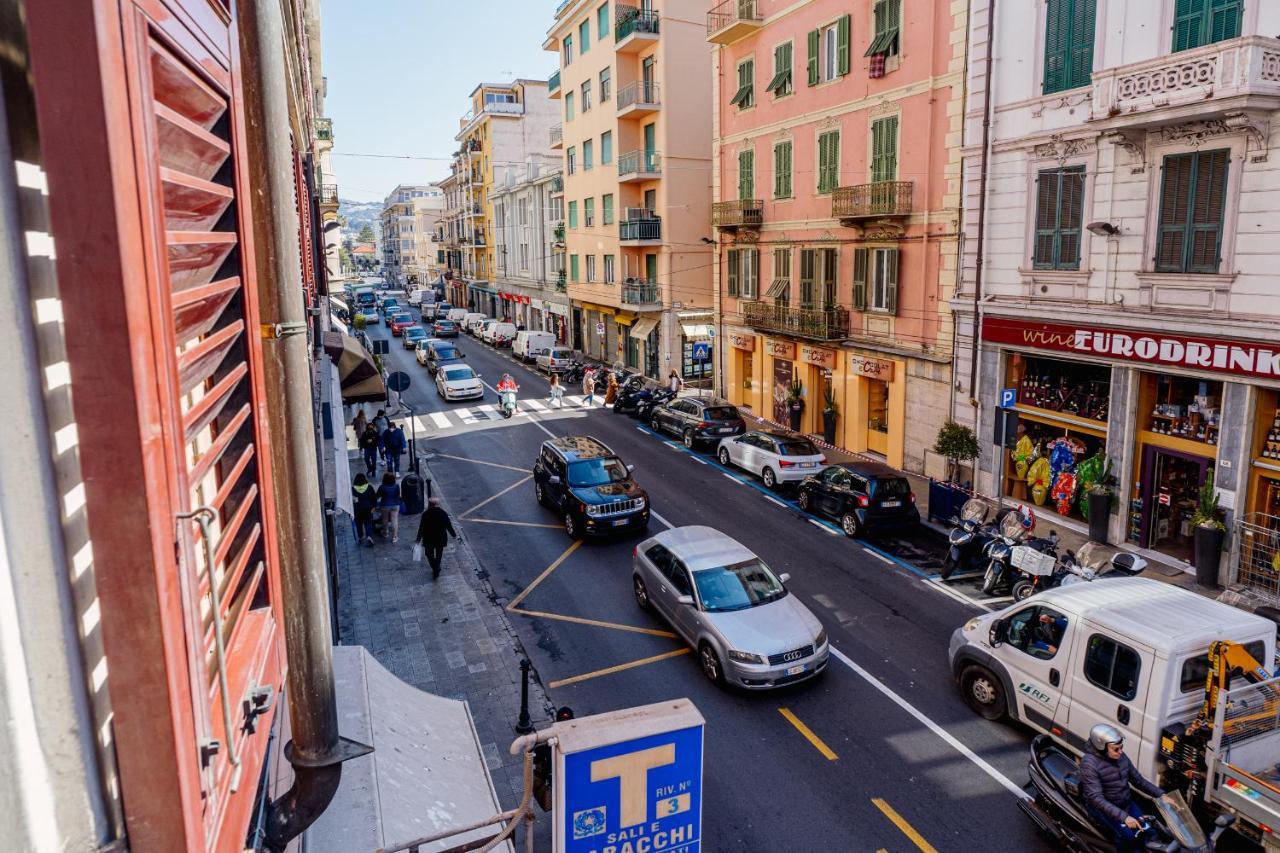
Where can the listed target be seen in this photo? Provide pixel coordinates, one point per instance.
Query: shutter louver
(1046, 219)
(746, 175)
(891, 281)
(1189, 23)
(842, 46)
(1080, 70)
(1207, 209)
(1175, 203)
(1224, 21)
(860, 257)
(814, 36)
(733, 270)
(1070, 214)
(1057, 45)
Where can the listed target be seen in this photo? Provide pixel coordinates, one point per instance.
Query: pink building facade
(836, 189)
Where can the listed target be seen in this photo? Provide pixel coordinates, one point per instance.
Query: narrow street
(882, 738)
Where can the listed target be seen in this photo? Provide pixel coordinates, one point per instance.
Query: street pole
(524, 725)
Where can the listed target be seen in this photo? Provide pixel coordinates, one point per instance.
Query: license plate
(890, 503)
(808, 464)
(621, 522)
(795, 670)
(724, 430)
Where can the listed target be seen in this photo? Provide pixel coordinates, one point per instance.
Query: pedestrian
(369, 446)
(358, 423)
(433, 532)
(390, 502)
(363, 499)
(381, 423)
(589, 388)
(611, 389)
(674, 382)
(395, 444)
(557, 392)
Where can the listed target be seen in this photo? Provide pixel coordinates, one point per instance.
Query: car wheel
(804, 500)
(710, 663)
(1022, 590)
(641, 593)
(723, 456)
(849, 524)
(570, 525)
(770, 478)
(982, 692)
(539, 494)
(689, 440)
(656, 424)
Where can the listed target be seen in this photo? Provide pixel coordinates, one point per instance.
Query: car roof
(871, 469)
(700, 547)
(578, 447)
(463, 367)
(1165, 617)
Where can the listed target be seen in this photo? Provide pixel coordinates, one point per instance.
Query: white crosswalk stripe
(464, 416)
(441, 420)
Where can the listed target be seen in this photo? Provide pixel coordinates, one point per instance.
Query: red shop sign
(1241, 358)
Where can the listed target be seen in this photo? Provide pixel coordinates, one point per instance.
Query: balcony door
(651, 202)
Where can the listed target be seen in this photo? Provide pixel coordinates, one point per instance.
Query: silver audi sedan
(747, 629)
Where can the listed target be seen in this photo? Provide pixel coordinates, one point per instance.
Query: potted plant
(958, 444)
(1209, 533)
(795, 403)
(1098, 487)
(830, 414)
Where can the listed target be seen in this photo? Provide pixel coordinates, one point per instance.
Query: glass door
(650, 144)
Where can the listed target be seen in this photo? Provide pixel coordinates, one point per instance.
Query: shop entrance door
(878, 417)
(1171, 492)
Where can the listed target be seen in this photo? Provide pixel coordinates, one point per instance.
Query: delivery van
(528, 344)
(471, 322)
(499, 334)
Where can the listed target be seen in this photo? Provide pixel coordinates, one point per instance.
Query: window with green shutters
(602, 22)
(573, 214)
(1193, 194)
(1201, 22)
(1068, 44)
(734, 271)
(814, 38)
(884, 149)
(606, 208)
(1059, 213)
(829, 51)
(888, 15)
(746, 175)
(573, 268)
(745, 96)
(606, 148)
(808, 262)
(584, 37)
(781, 84)
(875, 280)
(782, 170)
(828, 161)
(568, 106)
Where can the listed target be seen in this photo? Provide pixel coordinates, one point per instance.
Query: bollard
(524, 725)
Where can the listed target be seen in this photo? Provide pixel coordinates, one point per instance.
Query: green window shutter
(813, 57)
(573, 214)
(1047, 194)
(602, 22)
(1224, 20)
(888, 16)
(733, 261)
(842, 46)
(573, 267)
(788, 171)
(781, 81)
(782, 170)
(1209, 203)
(884, 149)
(1070, 217)
(584, 38)
(860, 279)
(746, 175)
(1057, 45)
(808, 260)
(1175, 212)
(828, 161)
(1080, 67)
(606, 208)
(891, 283)
(606, 147)
(1189, 17)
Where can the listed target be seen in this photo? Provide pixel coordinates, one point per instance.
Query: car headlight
(972, 624)
(821, 639)
(744, 657)
(642, 502)
(592, 509)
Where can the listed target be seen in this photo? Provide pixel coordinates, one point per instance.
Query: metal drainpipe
(316, 750)
(982, 197)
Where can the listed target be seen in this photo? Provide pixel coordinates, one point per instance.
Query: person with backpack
(369, 446)
(394, 444)
(391, 503)
(364, 499)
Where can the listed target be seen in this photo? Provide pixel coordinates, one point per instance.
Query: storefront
(874, 406)
(642, 346)
(742, 383)
(780, 368)
(696, 353)
(815, 371)
(557, 321)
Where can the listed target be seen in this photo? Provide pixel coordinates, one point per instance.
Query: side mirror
(686, 600)
(784, 577)
(999, 632)
(553, 480)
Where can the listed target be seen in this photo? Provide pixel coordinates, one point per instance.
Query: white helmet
(1103, 735)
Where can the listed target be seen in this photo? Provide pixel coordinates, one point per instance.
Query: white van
(471, 322)
(528, 345)
(456, 314)
(416, 298)
(1131, 652)
(499, 334)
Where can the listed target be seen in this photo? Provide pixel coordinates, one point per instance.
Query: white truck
(426, 303)
(1142, 656)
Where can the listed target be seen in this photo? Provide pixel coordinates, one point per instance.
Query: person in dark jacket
(369, 444)
(434, 531)
(395, 444)
(364, 499)
(390, 502)
(1106, 775)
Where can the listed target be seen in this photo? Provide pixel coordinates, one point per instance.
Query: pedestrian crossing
(463, 416)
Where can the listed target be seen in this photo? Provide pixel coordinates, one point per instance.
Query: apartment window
(589, 212)
(808, 261)
(584, 37)
(782, 170)
(1059, 211)
(568, 50)
(606, 84)
(602, 23)
(884, 149)
(591, 268)
(828, 161)
(1068, 43)
(606, 148)
(586, 95)
(780, 288)
(524, 257)
(523, 211)
(745, 97)
(573, 268)
(888, 18)
(829, 52)
(743, 273)
(875, 280)
(606, 209)
(571, 158)
(568, 106)
(818, 278)
(780, 84)
(1193, 194)
(610, 274)
(1200, 22)
(746, 174)
(573, 214)
(588, 155)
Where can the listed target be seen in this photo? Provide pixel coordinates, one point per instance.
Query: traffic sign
(599, 328)
(701, 351)
(711, 331)
(1008, 398)
(398, 381)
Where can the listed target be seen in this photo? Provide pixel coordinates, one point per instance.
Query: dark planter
(1208, 548)
(1099, 515)
(945, 501)
(794, 416)
(829, 419)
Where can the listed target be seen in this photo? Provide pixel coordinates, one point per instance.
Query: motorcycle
(1055, 804)
(1090, 563)
(968, 538)
(635, 389)
(573, 372)
(507, 403)
(645, 407)
(1014, 530)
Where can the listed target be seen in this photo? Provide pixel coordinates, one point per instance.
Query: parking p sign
(630, 781)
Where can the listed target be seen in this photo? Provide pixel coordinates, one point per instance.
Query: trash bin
(413, 493)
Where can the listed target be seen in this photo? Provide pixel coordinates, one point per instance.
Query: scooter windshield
(974, 510)
(1182, 824)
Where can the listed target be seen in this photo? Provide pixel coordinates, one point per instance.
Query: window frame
(1074, 48)
(584, 37)
(591, 269)
(588, 155)
(585, 105)
(744, 97)
(589, 212)
(746, 174)
(875, 160)
(885, 38)
(818, 164)
(783, 82)
(1055, 262)
(1109, 686)
(567, 50)
(1228, 212)
(606, 84)
(571, 159)
(568, 106)
(1204, 34)
(573, 214)
(892, 266)
(602, 23)
(789, 173)
(606, 148)
(606, 209)
(610, 269)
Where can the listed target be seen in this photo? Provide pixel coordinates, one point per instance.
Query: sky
(400, 73)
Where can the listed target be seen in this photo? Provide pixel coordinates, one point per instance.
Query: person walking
(674, 382)
(369, 446)
(589, 388)
(358, 423)
(557, 392)
(611, 389)
(390, 502)
(434, 531)
(363, 499)
(380, 423)
(395, 444)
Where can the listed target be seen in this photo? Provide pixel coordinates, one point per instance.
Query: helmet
(1102, 735)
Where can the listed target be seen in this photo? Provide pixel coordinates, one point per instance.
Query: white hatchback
(775, 457)
(458, 382)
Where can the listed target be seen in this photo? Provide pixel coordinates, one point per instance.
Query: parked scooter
(1089, 563)
(968, 537)
(630, 393)
(1014, 530)
(645, 407)
(1057, 806)
(573, 372)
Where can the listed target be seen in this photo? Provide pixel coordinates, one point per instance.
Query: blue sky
(400, 72)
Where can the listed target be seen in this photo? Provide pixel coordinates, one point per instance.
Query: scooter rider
(1106, 775)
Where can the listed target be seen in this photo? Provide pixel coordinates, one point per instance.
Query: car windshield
(443, 354)
(890, 487)
(445, 324)
(401, 318)
(415, 332)
(597, 472)
(458, 374)
(796, 447)
(720, 413)
(737, 586)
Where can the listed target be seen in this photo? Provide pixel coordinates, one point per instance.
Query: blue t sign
(1008, 398)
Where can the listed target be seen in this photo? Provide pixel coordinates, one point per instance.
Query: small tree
(366, 233)
(958, 444)
(1207, 513)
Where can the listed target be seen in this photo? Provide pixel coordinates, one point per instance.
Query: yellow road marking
(905, 828)
(516, 484)
(808, 734)
(513, 523)
(579, 620)
(548, 570)
(619, 668)
(482, 462)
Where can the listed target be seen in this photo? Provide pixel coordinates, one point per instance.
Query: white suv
(775, 457)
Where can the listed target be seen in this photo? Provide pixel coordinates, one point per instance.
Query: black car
(697, 419)
(440, 356)
(590, 487)
(865, 497)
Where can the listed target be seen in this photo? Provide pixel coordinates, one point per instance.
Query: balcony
(557, 137)
(329, 194)
(640, 294)
(821, 324)
(733, 20)
(881, 200)
(553, 86)
(638, 99)
(639, 166)
(640, 228)
(324, 129)
(557, 185)
(561, 284)
(743, 213)
(1203, 83)
(635, 29)
(476, 209)
(558, 235)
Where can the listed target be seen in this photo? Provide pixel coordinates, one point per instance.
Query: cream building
(528, 238)
(428, 261)
(399, 232)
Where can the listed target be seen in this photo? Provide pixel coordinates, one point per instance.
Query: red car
(400, 322)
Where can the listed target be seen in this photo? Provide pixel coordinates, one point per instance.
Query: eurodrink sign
(630, 781)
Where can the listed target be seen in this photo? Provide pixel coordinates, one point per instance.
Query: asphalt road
(878, 753)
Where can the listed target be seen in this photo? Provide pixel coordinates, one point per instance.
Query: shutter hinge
(273, 331)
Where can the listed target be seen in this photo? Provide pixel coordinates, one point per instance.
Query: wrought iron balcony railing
(328, 193)
(647, 228)
(824, 324)
(740, 213)
(869, 201)
(733, 20)
(324, 129)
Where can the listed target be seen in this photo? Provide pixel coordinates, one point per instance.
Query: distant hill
(359, 214)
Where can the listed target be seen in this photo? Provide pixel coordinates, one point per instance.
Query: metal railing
(557, 184)
(826, 324)
(633, 20)
(741, 212)
(731, 12)
(637, 291)
(553, 82)
(639, 162)
(561, 284)
(328, 193)
(883, 198)
(638, 93)
(557, 134)
(1259, 566)
(324, 129)
(647, 228)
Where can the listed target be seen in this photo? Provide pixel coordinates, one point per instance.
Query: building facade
(399, 233)
(1125, 229)
(428, 253)
(836, 208)
(528, 235)
(635, 95)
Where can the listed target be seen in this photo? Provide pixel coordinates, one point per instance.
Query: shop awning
(643, 328)
(624, 318)
(696, 330)
(777, 288)
(358, 375)
(599, 309)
